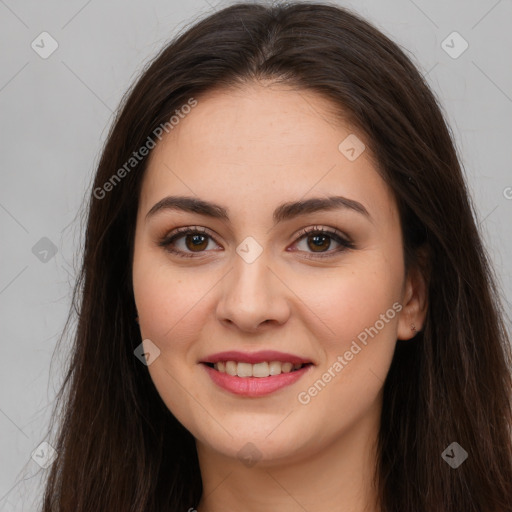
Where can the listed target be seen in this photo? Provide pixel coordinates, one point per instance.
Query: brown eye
(318, 242)
(196, 242)
(184, 242)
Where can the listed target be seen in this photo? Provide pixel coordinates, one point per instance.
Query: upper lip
(255, 357)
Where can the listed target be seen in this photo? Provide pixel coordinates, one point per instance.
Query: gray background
(55, 113)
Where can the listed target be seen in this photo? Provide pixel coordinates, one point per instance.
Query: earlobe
(415, 305)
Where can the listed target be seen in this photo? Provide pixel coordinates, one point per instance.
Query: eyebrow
(283, 212)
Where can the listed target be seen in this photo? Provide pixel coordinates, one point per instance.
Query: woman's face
(252, 281)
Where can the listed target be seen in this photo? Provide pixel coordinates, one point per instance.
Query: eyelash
(169, 239)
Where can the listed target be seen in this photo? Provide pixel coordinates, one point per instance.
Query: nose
(253, 296)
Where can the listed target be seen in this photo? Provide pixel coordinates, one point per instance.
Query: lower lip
(255, 386)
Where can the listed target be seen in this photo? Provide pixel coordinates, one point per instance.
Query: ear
(414, 302)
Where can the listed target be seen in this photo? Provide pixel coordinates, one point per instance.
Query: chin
(269, 443)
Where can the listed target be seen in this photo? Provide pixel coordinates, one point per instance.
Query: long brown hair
(121, 449)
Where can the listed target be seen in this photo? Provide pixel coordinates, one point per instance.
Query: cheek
(168, 300)
(359, 309)
(352, 299)
(356, 360)
(171, 313)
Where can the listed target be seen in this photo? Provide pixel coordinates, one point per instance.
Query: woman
(284, 301)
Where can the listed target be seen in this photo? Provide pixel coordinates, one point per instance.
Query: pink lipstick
(255, 374)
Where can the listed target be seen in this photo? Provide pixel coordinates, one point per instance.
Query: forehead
(263, 144)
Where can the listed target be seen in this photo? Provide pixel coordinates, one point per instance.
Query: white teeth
(230, 367)
(286, 367)
(259, 370)
(264, 369)
(244, 370)
(275, 368)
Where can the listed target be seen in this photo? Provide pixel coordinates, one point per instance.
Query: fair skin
(250, 150)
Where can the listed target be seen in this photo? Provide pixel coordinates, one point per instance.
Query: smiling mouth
(261, 370)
